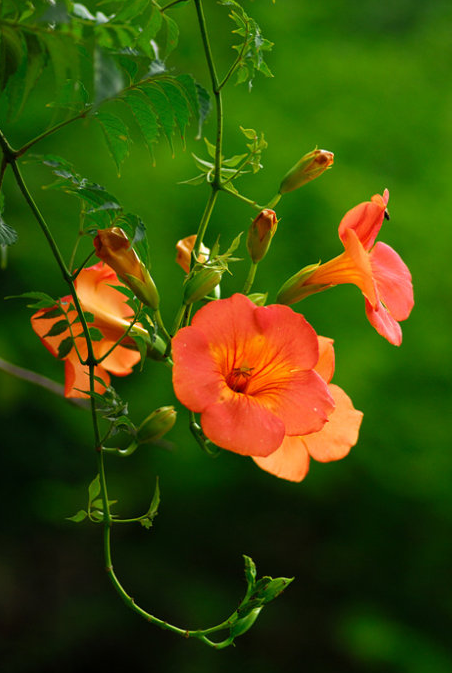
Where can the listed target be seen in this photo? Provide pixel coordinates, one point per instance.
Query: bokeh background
(368, 539)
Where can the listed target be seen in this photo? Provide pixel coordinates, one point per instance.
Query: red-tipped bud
(184, 249)
(114, 248)
(260, 234)
(310, 166)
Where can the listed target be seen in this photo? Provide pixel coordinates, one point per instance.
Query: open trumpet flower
(333, 442)
(249, 371)
(378, 271)
(112, 316)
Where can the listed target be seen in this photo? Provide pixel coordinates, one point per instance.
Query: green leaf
(77, 518)
(144, 116)
(43, 300)
(171, 35)
(250, 570)
(178, 103)
(93, 489)
(152, 512)
(65, 347)
(95, 334)
(149, 32)
(162, 109)
(204, 107)
(108, 79)
(53, 313)
(57, 328)
(8, 235)
(116, 135)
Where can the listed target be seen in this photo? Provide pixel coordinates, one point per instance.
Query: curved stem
(160, 323)
(204, 222)
(49, 132)
(171, 4)
(250, 202)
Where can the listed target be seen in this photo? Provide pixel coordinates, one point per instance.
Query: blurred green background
(367, 538)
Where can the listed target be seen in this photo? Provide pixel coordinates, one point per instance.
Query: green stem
(250, 202)
(204, 222)
(49, 132)
(234, 66)
(250, 278)
(274, 201)
(216, 92)
(160, 323)
(171, 4)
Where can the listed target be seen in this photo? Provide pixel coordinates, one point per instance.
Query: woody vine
(254, 375)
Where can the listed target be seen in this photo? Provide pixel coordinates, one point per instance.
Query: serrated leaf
(94, 489)
(77, 518)
(178, 103)
(57, 328)
(191, 92)
(144, 116)
(65, 347)
(116, 136)
(149, 32)
(170, 35)
(8, 235)
(162, 109)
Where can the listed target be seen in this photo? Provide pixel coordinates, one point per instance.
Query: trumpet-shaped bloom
(379, 272)
(249, 371)
(184, 249)
(334, 441)
(111, 316)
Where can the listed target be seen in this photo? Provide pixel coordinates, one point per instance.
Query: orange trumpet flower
(249, 371)
(334, 441)
(111, 316)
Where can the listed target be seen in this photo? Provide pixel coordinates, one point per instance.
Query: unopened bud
(184, 249)
(201, 284)
(260, 234)
(114, 248)
(295, 288)
(156, 425)
(310, 166)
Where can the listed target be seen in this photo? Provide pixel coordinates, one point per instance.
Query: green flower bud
(201, 284)
(310, 166)
(258, 298)
(145, 290)
(156, 425)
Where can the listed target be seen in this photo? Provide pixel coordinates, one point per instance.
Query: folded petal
(241, 424)
(393, 280)
(365, 219)
(325, 365)
(384, 323)
(339, 434)
(120, 361)
(290, 461)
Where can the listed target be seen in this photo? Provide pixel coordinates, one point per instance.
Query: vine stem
(250, 278)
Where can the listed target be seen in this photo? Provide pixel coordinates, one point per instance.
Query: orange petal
(384, 323)
(76, 375)
(120, 361)
(325, 365)
(42, 326)
(339, 434)
(365, 219)
(393, 279)
(290, 461)
(197, 380)
(241, 424)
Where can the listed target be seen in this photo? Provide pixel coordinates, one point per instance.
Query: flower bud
(114, 248)
(310, 166)
(156, 425)
(260, 234)
(184, 249)
(258, 298)
(295, 289)
(201, 284)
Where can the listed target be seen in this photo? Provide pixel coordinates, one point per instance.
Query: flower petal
(393, 279)
(339, 434)
(120, 361)
(241, 424)
(325, 365)
(42, 325)
(197, 379)
(76, 375)
(365, 219)
(384, 323)
(290, 461)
